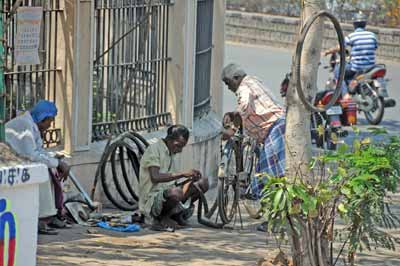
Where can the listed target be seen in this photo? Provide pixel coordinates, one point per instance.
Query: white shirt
(23, 135)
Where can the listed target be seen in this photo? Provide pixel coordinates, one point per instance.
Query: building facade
(144, 63)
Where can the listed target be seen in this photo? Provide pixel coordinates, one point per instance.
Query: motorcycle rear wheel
(374, 118)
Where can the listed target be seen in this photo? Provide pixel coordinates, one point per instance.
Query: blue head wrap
(42, 110)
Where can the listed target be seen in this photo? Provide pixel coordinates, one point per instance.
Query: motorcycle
(368, 90)
(326, 127)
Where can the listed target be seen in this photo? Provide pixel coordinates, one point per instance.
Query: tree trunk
(298, 136)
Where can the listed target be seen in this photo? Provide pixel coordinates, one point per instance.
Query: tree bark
(298, 136)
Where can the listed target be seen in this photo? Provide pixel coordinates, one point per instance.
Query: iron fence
(203, 56)
(25, 85)
(130, 66)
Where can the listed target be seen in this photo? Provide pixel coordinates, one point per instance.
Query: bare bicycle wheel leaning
(305, 99)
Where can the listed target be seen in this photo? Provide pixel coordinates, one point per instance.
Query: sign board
(27, 38)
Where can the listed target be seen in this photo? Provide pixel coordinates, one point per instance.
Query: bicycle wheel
(299, 49)
(248, 197)
(228, 193)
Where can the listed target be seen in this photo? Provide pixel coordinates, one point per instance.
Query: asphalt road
(271, 64)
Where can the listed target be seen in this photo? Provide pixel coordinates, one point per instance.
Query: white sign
(28, 35)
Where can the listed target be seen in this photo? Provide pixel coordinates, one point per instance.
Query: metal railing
(203, 57)
(130, 67)
(25, 85)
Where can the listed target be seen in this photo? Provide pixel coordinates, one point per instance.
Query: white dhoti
(47, 207)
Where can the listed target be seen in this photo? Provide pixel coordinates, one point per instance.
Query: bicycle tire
(125, 173)
(299, 50)
(111, 196)
(252, 206)
(109, 155)
(115, 176)
(203, 205)
(228, 182)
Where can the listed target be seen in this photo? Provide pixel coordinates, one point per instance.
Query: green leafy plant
(352, 183)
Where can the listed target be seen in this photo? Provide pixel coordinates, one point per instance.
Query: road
(271, 64)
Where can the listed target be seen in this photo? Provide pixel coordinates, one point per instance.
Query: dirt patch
(194, 246)
(8, 157)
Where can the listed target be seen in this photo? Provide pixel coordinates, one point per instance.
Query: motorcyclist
(363, 45)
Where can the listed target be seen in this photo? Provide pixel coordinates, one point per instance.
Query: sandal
(165, 225)
(44, 229)
(58, 223)
(161, 228)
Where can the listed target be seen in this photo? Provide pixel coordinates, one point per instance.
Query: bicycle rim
(228, 189)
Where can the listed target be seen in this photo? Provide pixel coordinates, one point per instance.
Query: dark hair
(176, 131)
(360, 24)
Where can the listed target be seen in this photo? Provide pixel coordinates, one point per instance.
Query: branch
(340, 252)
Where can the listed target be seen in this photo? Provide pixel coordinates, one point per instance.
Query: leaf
(309, 204)
(277, 198)
(343, 148)
(357, 146)
(312, 163)
(346, 191)
(334, 137)
(283, 202)
(366, 141)
(342, 208)
(320, 130)
(341, 171)
(356, 130)
(336, 178)
(377, 131)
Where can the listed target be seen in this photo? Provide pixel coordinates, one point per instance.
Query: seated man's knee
(175, 194)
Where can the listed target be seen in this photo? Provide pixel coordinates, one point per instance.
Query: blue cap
(42, 110)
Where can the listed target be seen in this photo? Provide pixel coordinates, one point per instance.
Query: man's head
(232, 76)
(177, 138)
(359, 20)
(43, 114)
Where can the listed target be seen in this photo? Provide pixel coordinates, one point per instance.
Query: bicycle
(235, 175)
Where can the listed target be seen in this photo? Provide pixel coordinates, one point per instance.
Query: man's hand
(228, 133)
(195, 174)
(232, 118)
(63, 169)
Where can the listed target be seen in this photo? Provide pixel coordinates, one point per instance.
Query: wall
(202, 151)
(281, 32)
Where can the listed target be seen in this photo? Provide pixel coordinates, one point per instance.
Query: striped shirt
(363, 45)
(257, 107)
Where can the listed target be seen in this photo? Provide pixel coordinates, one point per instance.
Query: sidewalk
(196, 246)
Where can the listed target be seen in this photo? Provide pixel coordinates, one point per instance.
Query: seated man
(161, 198)
(24, 135)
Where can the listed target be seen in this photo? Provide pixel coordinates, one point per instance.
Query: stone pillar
(218, 54)
(83, 75)
(181, 49)
(74, 79)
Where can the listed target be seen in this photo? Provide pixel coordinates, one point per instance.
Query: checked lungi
(272, 157)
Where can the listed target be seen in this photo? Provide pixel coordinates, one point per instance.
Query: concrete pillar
(74, 79)
(218, 55)
(181, 48)
(83, 75)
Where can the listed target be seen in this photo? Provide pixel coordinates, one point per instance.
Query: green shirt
(157, 155)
